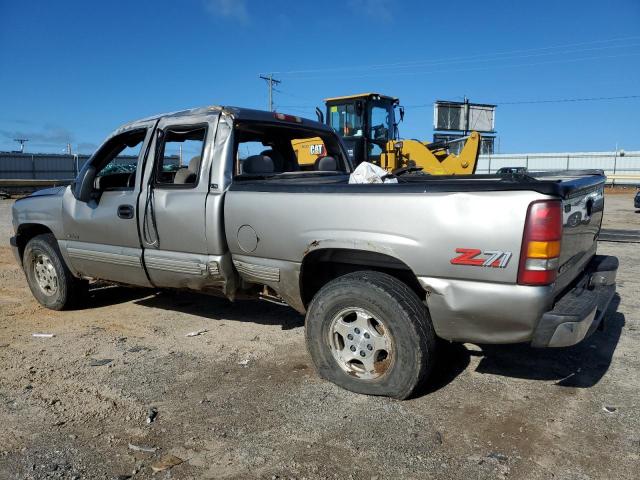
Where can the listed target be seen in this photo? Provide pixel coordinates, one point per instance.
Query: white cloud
(229, 9)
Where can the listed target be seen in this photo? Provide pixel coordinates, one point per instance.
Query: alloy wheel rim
(45, 274)
(360, 343)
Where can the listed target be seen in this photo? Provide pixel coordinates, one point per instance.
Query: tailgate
(582, 210)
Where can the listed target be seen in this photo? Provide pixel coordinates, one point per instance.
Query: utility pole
(21, 141)
(270, 82)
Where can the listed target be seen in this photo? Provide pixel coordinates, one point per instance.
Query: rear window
(273, 150)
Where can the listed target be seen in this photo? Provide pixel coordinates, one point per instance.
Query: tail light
(540, 254)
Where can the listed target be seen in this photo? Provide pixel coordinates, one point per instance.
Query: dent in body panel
(485, 312)
(186, 270)
(282, 276)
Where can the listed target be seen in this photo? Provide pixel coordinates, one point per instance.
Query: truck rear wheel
(370, 333)
(49, 278)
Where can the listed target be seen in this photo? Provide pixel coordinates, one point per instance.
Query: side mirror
(83, 186)
(401, 110)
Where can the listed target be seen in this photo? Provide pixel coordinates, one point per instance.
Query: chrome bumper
(578, 313)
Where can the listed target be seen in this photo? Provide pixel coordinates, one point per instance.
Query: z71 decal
(477, 258)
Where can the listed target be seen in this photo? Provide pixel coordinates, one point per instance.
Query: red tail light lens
(539, 257)
(287, 118)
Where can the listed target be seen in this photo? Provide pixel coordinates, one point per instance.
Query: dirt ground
(243, 401)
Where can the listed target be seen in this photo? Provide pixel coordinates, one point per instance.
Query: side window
(117, 161)
(265, 149)
(180, 156)
(380, 124)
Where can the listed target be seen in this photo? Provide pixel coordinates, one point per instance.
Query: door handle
(125, 211)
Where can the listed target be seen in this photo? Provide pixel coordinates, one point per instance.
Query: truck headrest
(326, 164)
(257, 164)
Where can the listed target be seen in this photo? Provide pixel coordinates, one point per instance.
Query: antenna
(21, 141)
(270, 82)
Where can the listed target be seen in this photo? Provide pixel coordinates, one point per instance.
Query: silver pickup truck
(215, 200)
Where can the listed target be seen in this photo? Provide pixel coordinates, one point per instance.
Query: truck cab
(366, 122)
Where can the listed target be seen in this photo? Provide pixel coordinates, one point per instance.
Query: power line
(557, 100)
(566, 100)
(486, 67)
(478, 57)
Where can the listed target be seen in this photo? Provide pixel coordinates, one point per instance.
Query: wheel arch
(321, 265)
(26, 232)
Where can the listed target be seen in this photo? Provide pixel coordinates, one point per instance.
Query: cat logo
(316, 149)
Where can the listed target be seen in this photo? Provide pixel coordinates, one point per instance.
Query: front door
(173, 204)
(101, 235)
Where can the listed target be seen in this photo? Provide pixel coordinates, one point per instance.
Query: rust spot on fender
(313, 244)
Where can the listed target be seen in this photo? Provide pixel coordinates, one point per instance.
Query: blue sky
(72, 71)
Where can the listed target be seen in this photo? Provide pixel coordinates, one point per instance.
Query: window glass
(180, 156)
(380, 125)
(345, 120)
(272, 150)
(119, 157)
(308, 150)
(375, 151)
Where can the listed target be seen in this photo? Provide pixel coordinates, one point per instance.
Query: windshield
(345, 120)
(269, 149)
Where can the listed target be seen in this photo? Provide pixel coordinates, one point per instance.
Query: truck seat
(188, 174)
(258, 164)
(278, 159)
(326, 164)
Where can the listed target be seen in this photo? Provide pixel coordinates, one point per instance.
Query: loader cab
(366, 123)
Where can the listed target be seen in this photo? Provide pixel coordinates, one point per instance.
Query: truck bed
(561, 184)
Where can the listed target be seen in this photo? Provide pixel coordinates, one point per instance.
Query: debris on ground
(244, 363)
(43, 335)
(609, 409)
(138, 348)
(196, 332)
(498, 456)
(142, 448)
(166, 462)
(152, 413)
(100, 362)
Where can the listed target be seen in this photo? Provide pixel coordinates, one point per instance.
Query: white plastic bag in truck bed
(369, 173)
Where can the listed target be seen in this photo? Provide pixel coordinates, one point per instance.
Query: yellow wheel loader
(367, 124)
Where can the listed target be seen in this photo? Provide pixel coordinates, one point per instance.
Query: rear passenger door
(172, 222)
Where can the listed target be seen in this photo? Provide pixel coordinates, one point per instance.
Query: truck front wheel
(370, 333)
(49, 279)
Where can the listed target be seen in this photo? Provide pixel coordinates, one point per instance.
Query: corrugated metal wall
(65, 167)
(615, 164)
(40, 166)
(44, 166)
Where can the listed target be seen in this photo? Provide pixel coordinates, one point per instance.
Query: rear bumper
(578, 313)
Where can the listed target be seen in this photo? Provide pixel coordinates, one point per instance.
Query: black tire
(406, 320)
(68, 291)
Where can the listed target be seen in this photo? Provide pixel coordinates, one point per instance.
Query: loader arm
(437, 161)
